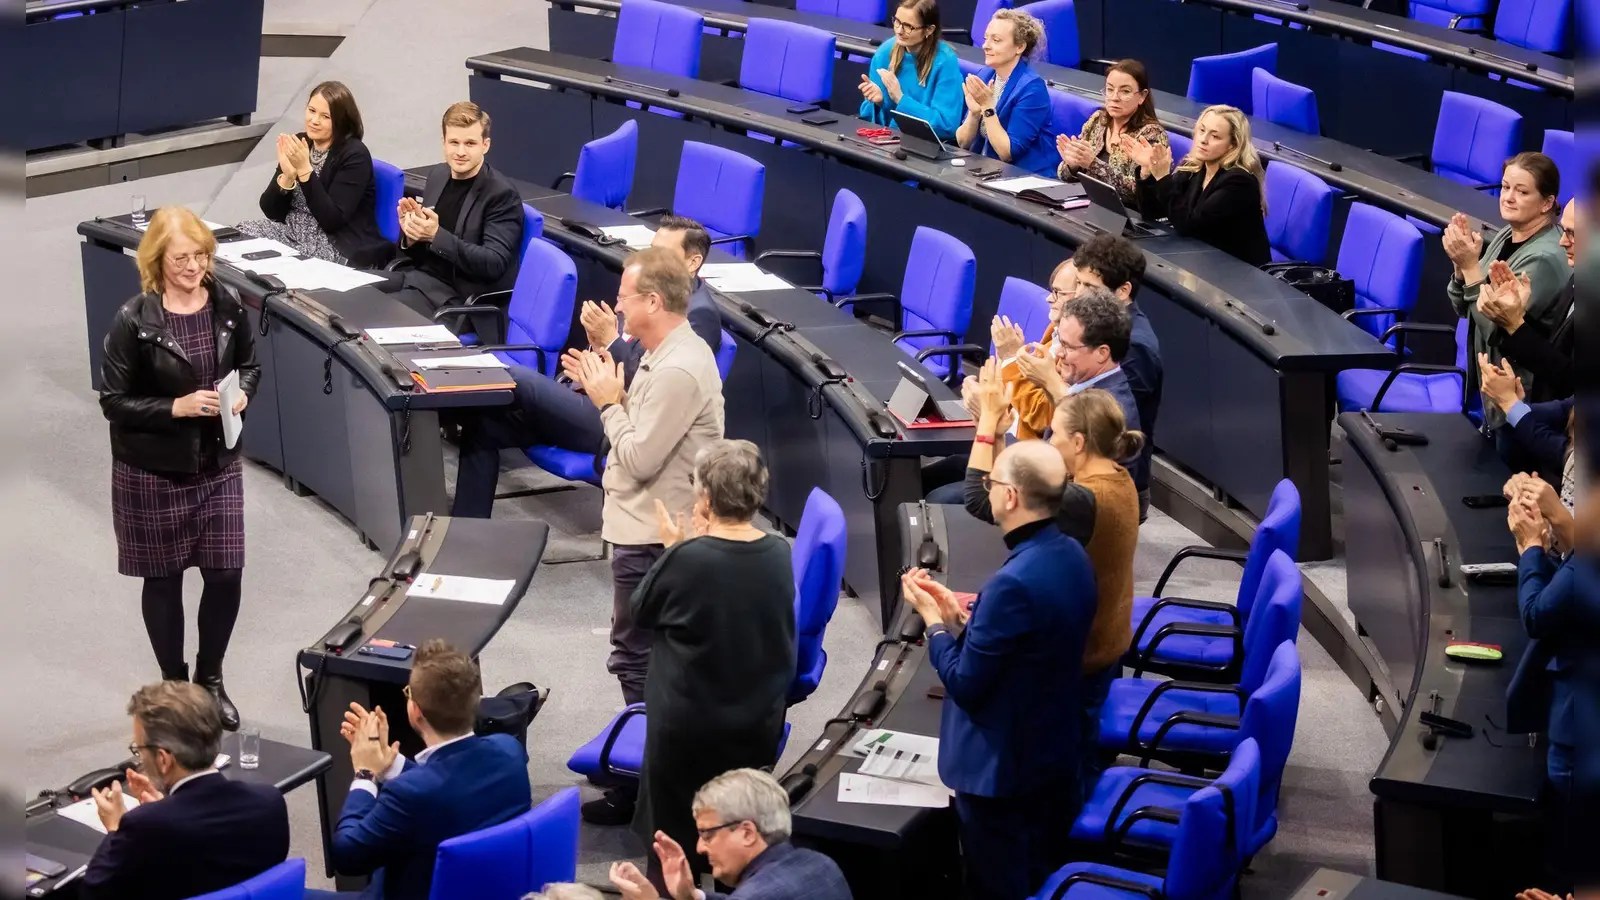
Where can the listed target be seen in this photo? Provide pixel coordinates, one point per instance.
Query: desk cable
(327, 364)
(866, 479)
(405, 426)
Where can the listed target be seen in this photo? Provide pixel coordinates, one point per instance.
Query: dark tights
(162, 603)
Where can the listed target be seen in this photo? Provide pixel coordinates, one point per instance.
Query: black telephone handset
(272, 283)
(343, 635)
(831, 371)
(882, 425)
(93, 781)
(592, 232)
(407, 565)
(337, 323)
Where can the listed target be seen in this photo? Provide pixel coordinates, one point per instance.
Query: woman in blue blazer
(915, 73)
(1008, 105)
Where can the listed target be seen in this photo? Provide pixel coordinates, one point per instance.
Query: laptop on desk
(919, 139)
(1107, 212)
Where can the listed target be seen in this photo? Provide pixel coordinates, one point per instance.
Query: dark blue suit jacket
(1024, 111)
(786, 872)
(211, 833)
(1013, 679)
(1556, 688)
(1120, 385)
(1543, 433)
(463, 787)
(1145, 374)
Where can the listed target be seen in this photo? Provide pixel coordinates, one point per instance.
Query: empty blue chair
(1227, 78)
(1299, 214)
(1410, 387)
(722, 190)
(1279, 531)
(1466, 14)
(1284, 102)
(284, 881)
(605, 168)
(1562, 148)
(788, 60)
(820, 544)
(391, 186)
(934, 306)
(660, 36)
(539, 309)
(1181, 145)
(513, 858)
(981, 14)
(844, 249)
(1544, 26)
(1060, 20)
(1382, 254)
(871, 11)
(1069, 110)
(1472, 139)
(1026, 304)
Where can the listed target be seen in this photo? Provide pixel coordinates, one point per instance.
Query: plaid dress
(168, 523)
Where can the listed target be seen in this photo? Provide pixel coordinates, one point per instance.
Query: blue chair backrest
(1269, 717)
(660, 36)
(1275, 619)
(967, 66)
(513, 858)
(1382, 253)
(725, 355)
(1068, 111)
(720, 189)
(1279, 530)
(1299, 213)
(1440, 12)
(937, 292)
(818, 557)
(1025, 304)
(1473, 138)
(981, 14)
(1227, 78)
(873, 11)
(391, 186)
(284, 881)
(543, 301)
(1241, 781)
(1284, 102)
(788, 60)
(1203, 864)
(605, 167)
(1562, 148)
(1181, 145)
(844, 250)
(1060, 19)
(1541, 25)
(532, 227)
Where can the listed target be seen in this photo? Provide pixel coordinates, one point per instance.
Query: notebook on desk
(438, 381)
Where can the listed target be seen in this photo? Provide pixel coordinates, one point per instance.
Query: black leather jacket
(144, 370)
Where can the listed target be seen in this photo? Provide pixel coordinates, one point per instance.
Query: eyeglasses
(406, 691)
(901, 25)
(706, 833)
(1061, 294)
(182, 262)
(1570, 234)
(1122, 93)
(133, 750)
(989, 483)
(1073, 347)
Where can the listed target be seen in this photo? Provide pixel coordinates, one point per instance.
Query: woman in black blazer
(1216, 194)
(322, 199)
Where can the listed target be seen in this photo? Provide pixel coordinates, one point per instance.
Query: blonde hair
(1242, 156)
(1097, 415)
(167, 223)
(1026, 30)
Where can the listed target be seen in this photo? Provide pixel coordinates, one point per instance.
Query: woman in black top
(720, 602)
(1217, 193)
(177, 488)
(322, 199)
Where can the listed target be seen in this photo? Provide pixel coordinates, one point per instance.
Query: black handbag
(511, 711)
(1321, 283)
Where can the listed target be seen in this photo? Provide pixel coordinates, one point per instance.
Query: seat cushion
(564, 463)
(1090, 891)
(627, 754)
(1409, 393)
(1183, 648)
(1127, 697)
(1091, 822)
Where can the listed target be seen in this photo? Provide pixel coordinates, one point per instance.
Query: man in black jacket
(550, 413)
(193, 831)
(465, 235)
(1549, 356)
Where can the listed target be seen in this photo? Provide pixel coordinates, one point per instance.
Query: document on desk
(857, 788)
(740, 278)
(83, 812)
(228, 396)
(475, 361)
(1018, 185)
(461, 587)
(899, 756)
(234, 251)
(413, 334)
(637, 237)
(319, 274)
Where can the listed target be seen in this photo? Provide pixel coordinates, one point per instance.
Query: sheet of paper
(855, 788)
(461, 587)
(228, 394)
(416, 334)
(738, 278)
(319, 274)
(1018, 185)
(637, 237)
(475, 361)
(83, 812)
(276, 266)
(234, 251)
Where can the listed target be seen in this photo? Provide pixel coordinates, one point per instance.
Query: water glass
(249, 746)
(138, 216)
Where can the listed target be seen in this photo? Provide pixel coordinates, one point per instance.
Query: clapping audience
(915, 73)
(1098, 151)
(1008, 105)
(1217, 194)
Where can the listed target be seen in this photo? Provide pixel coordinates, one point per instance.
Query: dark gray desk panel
(262, 438)
(558, 125)
(80, 61)
(166, 45)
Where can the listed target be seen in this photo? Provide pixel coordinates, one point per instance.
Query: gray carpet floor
(80, 648)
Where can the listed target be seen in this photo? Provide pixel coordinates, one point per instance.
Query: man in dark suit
(1114, 263)
(744, 823)
(465, 235)
(1009, 736)
(194, 830)
(552, 413)
(399, 810)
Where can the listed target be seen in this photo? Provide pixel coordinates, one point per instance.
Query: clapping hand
(109, 806)
(297, 153)
(1038, 367)
(1462, 243)
(674, 867)
(631, 883)
(980, 94)
(286, 166)
(933, 601)
(891, 84)
(369, 740)
(994, 398)
(969, 395)
(1536, 894)
(1155, 160)
(1075, 153)
(869, 91)
(600, 376)
(140, 786)
(1526, 524)
(1503, 299)
(1499, 384)
(599, 322)
(1007, 336)
(674, 529)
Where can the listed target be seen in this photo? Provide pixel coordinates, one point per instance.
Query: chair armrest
(731, 238)
(952, 350)
(501, 319)
(950, 336)
(508, 348)
(398, 263)
(964, 32)
(1404, 328)
(787, 254)
(1455, 25)
(1194, 629)
(1101, 64)
(1424, 368)
(1485, 186)
(1165, 686)
(1144, 813)
(891, 299)
(556, 185)
(1118, 884)
(478, 298)
(1424, 158)
(1395, 311)
(1185, 603)
(818, 289)
(1196, 551)
(1169, 779)
(1204, 720)
(648, 212)
(636, 709)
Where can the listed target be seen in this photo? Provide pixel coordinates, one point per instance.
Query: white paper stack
(475, 361)
(461, 587)
(856, 788)
(900, 756)
(228, 394)
(84, 813)
(1018, 185)
(740, 278)
(413, 334)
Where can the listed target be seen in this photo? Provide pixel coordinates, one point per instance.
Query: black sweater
(342, 198)
(1225, 214)
(1548, 356)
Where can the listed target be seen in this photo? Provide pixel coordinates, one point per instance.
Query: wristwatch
(366, 775)
(988, 112)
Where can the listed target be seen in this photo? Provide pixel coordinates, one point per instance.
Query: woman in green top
(915, 73)
(1530, 244)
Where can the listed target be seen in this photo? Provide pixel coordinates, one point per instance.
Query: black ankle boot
(213, 684)
(179, 674)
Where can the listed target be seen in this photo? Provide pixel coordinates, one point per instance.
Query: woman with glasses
(177, 488)
(915, 73)
(1097, 151)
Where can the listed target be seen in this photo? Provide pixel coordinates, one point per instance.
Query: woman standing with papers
(915, 73)
(177, 489)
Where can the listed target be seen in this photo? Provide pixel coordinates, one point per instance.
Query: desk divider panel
(538, 131)
(166, 45)
(80, 60)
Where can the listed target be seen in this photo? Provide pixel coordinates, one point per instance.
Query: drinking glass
(138, 216)
(249, 747)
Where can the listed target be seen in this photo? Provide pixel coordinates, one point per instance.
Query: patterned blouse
(1111, 165)
(299, 229)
